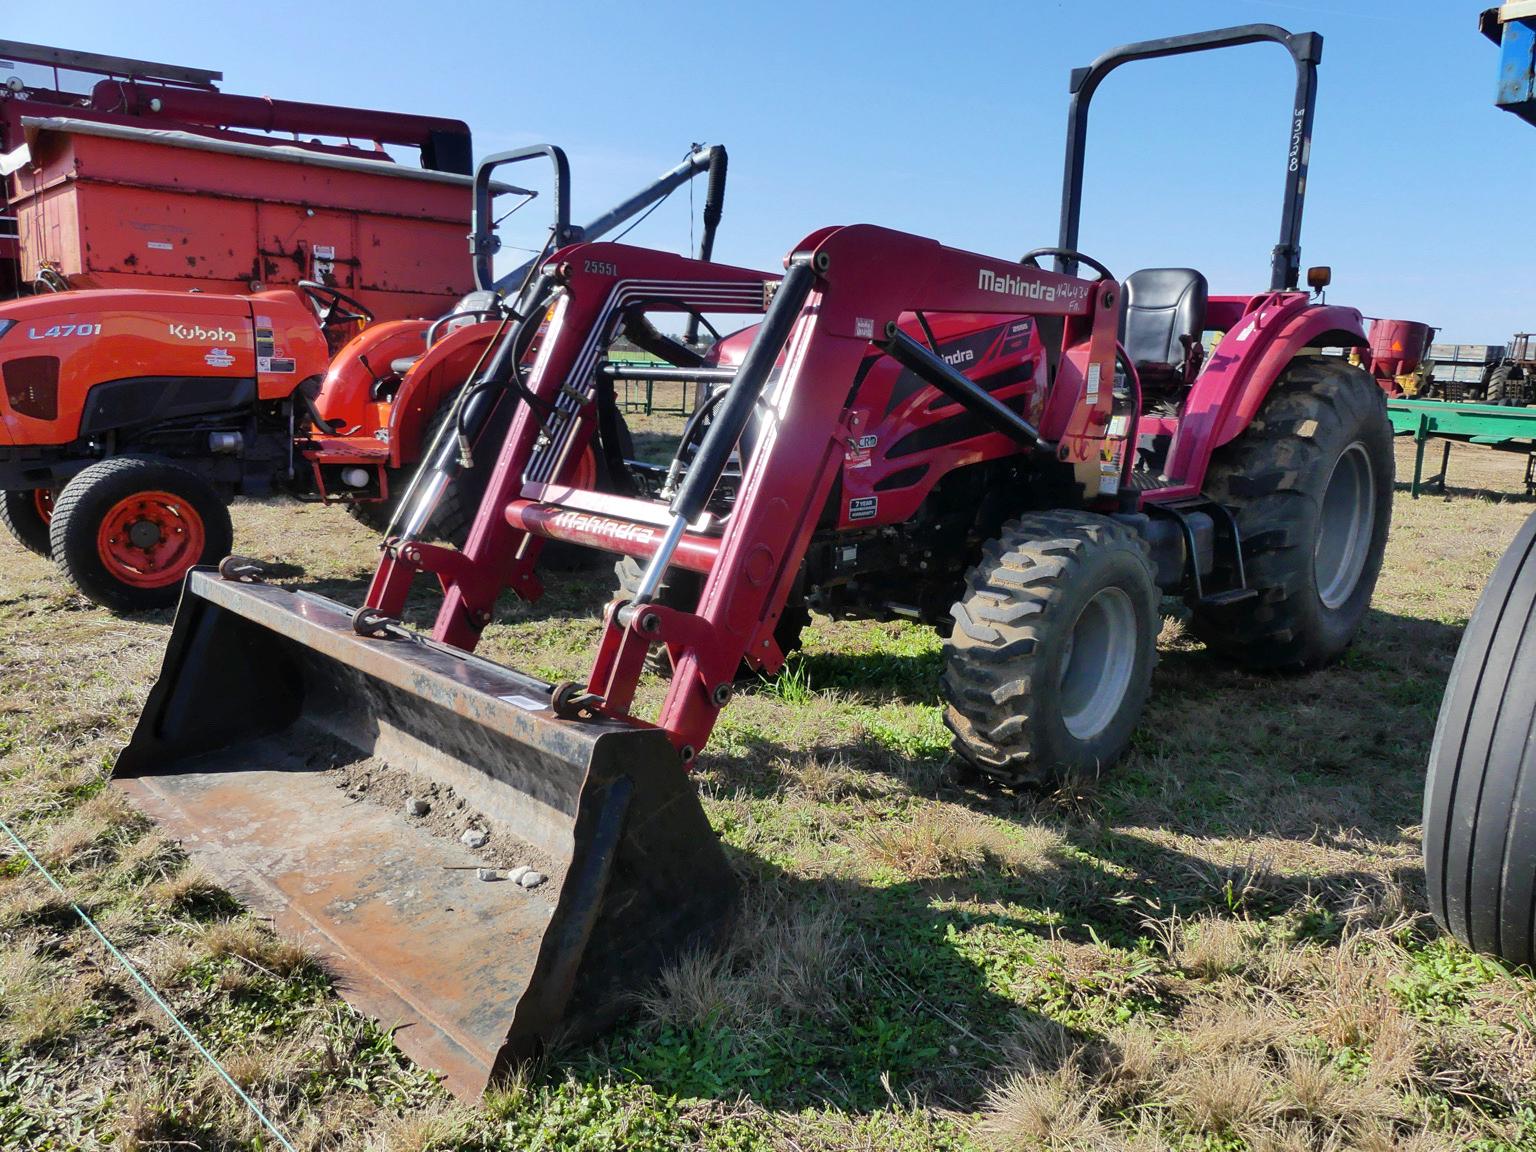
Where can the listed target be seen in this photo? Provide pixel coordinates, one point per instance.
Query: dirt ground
(1222, 945)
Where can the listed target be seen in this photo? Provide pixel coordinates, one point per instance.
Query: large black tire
(1049, 663)
(456, 510)
(1310, 482)
(91, 497)
(680, 589)
(20, 513)
(1480, 795)
(377, 515)
(1506, 386)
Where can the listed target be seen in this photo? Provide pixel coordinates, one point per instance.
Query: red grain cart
(129, 174)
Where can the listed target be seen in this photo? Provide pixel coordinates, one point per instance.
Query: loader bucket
(280, 747)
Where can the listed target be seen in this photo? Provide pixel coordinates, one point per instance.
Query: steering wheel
(333, 306)
(1032, 260)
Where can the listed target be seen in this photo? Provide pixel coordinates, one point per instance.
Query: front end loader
(1028, 459)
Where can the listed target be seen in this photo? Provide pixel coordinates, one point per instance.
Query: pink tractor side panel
(1262, 335)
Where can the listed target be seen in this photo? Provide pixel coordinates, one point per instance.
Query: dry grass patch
(1222, 1093)
(1055, 1110)
(430, 1129)
(91, 834)
(826, 779)
(28, 900)
(1211, 946)
(41, 1001)
(783, 958)
(151, 858)
(190, 891)
(1316, 1092)
(247, 941)
(946, 840)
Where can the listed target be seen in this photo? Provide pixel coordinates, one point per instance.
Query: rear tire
(1049, 663)
(126, 530)
(26, 513)
(1480, 795)
(456, 510)
(680, 589)
(1506, 386)
(1310, 483)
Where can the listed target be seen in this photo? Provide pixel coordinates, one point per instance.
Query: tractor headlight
(6, 326)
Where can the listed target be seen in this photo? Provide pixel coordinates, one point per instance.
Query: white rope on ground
(149, 990)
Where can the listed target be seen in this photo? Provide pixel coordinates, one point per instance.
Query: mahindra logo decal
(202, 335)
(1010, 285)
(959, 356)
(604, 526)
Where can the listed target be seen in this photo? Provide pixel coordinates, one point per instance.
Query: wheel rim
(1344, 532)
(150, 539)
(42, 501)
(1097, 663)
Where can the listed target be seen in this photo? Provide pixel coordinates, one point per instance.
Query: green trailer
(1510, 429)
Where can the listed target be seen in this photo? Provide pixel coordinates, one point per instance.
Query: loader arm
(844, 289)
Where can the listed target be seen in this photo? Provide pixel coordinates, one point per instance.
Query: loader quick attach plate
(257, 749)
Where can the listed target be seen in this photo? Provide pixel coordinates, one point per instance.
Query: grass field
(1222, 945)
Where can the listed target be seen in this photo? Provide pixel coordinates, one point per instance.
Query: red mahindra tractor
(1028, 459)
(130, 418)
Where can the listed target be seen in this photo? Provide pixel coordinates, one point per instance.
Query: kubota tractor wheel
(26, 514)
(680, 589)
(1310, 482)
(1050, 660)
(1480, 796)
(126, 530)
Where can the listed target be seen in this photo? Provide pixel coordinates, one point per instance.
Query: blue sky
(945, 119)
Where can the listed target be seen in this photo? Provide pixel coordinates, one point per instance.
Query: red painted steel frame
(1262, 335)
(872, 276)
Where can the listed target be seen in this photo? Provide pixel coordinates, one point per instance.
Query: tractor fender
(445, 366)
(345, 392)
(1246, 363)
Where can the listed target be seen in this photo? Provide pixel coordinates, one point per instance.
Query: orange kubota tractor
(1028, 459)
(152, 223)
(130, 418)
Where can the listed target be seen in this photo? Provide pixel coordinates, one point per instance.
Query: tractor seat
(403, 364)
(1163, 321)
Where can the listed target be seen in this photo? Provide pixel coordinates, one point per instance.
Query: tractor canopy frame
(1306, 49)
(484, 243)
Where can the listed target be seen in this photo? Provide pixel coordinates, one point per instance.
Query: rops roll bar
(484, 243)
(1306, 49)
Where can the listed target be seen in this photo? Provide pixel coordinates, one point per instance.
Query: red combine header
(129, 174)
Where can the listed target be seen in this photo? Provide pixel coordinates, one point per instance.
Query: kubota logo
(202, 335)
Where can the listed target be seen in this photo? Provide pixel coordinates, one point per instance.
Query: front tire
(1480, 795)
(26, 514)
(126, 530)
(1049, 663)
(1310, 483)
